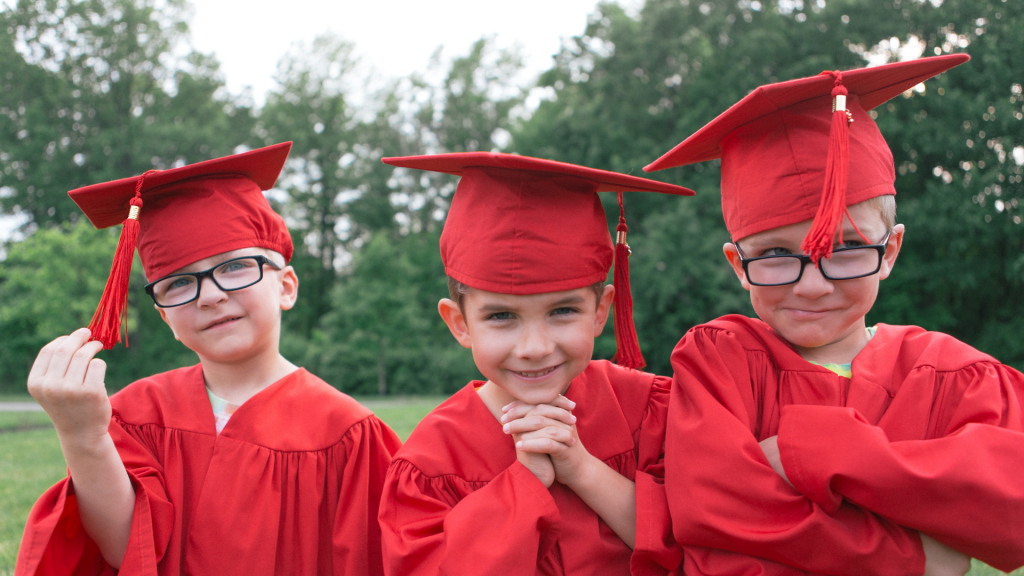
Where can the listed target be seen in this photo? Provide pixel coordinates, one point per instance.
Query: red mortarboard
(182, 215)
(787, 149)
(520, 225)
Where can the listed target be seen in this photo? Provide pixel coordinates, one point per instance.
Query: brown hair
(457, 291)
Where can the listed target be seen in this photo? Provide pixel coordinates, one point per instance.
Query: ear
(892, 250)
(733, 256)
(604, 308)
(289, 288)
(163, 316)
(455, 320)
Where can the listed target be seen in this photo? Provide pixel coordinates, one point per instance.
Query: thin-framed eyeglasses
(235, 274)
(846, 263)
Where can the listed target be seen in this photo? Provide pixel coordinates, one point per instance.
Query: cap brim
(106, 204)
(873, 86)
(606, 181)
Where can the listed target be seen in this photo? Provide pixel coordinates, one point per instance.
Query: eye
(181, 282)
(500, 316)
(777, 251)
(237, 265)
(564, 310)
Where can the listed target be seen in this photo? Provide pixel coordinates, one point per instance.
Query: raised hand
(68, 383)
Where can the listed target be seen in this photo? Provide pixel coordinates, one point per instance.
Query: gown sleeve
(723, 494)
(656, 551)
(509, 525)
(356, 535)
(962, 487)
(55, 543)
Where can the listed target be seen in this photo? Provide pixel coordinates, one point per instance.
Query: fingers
(546, 441)
(64, 353)
(96, 373)
(80, 361)
(42, 362)
(522, 407)
(524, 411)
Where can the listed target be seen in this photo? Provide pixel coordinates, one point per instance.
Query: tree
(49, 286)
(96, 94)
(628, 90)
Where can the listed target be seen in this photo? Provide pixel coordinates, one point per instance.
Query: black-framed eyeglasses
(846, 263)
(234, 274)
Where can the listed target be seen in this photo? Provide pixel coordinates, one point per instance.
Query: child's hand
(548, 430)
(941, 560)
(68, 383)
(770, 446)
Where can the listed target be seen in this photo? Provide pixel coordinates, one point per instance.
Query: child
(531, 471)
(806, 438)
(241, 464)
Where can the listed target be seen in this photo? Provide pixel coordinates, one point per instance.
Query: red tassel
(111, 315)
(829, 219)
(627, 346)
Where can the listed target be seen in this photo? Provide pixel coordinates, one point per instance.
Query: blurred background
(95, 90)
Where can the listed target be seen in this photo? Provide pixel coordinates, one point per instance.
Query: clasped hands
(546, 440)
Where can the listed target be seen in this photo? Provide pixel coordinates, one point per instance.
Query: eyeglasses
(846, 263)
(235, 274)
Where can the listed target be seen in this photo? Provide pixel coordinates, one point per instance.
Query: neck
(236, 382)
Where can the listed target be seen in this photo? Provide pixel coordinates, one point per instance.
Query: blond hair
(457, 291)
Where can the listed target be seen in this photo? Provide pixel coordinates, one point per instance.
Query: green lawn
(31, 461)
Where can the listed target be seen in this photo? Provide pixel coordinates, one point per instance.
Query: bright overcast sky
(394, 37)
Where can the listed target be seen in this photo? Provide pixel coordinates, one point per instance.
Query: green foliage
(49, 286)
(628, 90)
(383, 334)
(97, 94)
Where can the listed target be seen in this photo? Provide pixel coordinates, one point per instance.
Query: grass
(31, 461)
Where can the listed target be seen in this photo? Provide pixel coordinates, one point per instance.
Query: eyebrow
(501, 307)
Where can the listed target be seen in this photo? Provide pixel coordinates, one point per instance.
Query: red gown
(456, 500)
(927, 435)
(290, 486)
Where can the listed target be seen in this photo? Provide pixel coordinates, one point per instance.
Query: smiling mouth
(220, 322)
(537, 373)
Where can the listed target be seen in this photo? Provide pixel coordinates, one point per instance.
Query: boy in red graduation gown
(241, 464)
(807, 440)
(530, 471)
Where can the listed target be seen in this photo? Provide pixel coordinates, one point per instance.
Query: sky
(393, 38)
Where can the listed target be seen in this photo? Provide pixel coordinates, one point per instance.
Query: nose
(534, 342)
(812, 283)
(210, 294)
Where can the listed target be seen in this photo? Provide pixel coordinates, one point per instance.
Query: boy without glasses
(531, 471)
(242, 464)
(807, 440)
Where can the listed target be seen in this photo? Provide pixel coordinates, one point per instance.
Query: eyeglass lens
(844, 264)
(231, 275)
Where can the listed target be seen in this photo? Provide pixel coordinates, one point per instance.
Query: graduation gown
(927, 435)
(457, 501)
(290, 486)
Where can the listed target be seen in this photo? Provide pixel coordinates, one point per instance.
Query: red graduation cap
(787, 149)
(520, 225)
(182, 215)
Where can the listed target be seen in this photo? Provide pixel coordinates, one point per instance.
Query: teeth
(537, 374)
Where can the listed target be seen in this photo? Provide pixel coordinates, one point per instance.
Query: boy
(242, 464)
(806, 438)
(530, 471)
